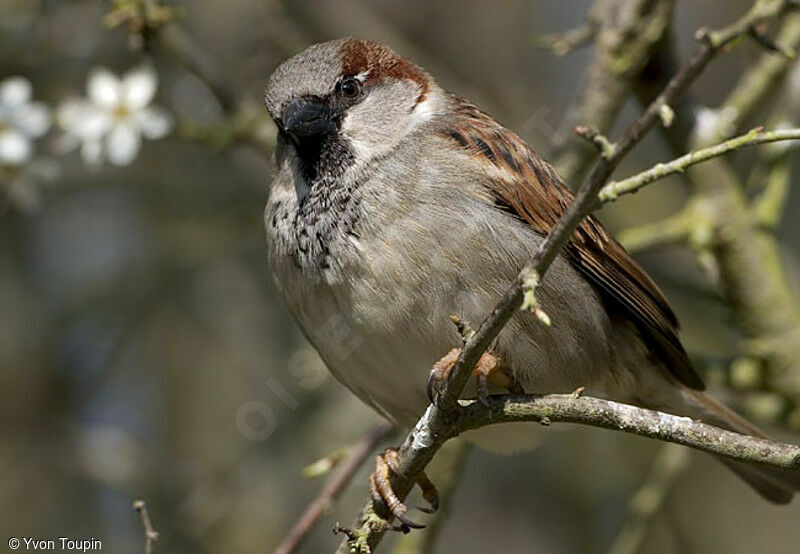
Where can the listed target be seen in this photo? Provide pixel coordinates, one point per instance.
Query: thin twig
(150, 534)
(596, 138)
(561, 44)
(755, 84)
(772, 46)
(614, 189)
(336, 483)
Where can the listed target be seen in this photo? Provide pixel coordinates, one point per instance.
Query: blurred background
(144, 352)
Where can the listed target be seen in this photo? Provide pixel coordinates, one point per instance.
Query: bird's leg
(380, 488)
(489, 369)
(438, 375)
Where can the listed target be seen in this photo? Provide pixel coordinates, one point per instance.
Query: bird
(397, 204)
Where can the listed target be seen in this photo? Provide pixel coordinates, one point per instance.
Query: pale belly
(382, 358)
(380, 333)
(380, 317)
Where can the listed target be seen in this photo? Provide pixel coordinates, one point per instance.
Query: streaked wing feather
(527, 186)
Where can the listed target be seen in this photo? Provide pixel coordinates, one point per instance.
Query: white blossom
(21, 121)
(111, 121)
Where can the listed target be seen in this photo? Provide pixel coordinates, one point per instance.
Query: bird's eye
(350, 87)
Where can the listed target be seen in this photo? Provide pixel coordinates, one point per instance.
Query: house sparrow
(397, 204)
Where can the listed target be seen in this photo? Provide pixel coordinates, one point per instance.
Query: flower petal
(15, 91)
(70, 110)
(83, 119)
(15, 148)
(155, 122)
(139, 86)
(123, 144)
(32, 119)
(103, 88)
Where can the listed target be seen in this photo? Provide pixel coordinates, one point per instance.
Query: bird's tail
(774, 484)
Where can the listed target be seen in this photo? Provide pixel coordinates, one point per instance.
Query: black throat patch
(323, 159)
(327, 207)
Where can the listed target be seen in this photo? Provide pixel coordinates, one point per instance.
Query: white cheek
(424, 110)
(376, 125)
(362, 147)
(373, 129)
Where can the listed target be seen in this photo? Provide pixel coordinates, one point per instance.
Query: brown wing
(527, 186)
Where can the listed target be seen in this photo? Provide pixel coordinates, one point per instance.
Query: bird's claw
(488, 370)
(380, 488)
(439, 374)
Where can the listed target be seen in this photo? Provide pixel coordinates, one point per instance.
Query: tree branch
(336, 483)
(596, 412)
(243, 124)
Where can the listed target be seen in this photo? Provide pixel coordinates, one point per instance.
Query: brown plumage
(378, 62)
(530, 188)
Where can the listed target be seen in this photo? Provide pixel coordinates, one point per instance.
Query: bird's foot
(380, 488)
(487, 370)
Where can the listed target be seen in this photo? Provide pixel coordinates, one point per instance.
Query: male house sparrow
(397, 204)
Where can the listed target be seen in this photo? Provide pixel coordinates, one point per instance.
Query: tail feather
(760, 480)
(775, 484)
